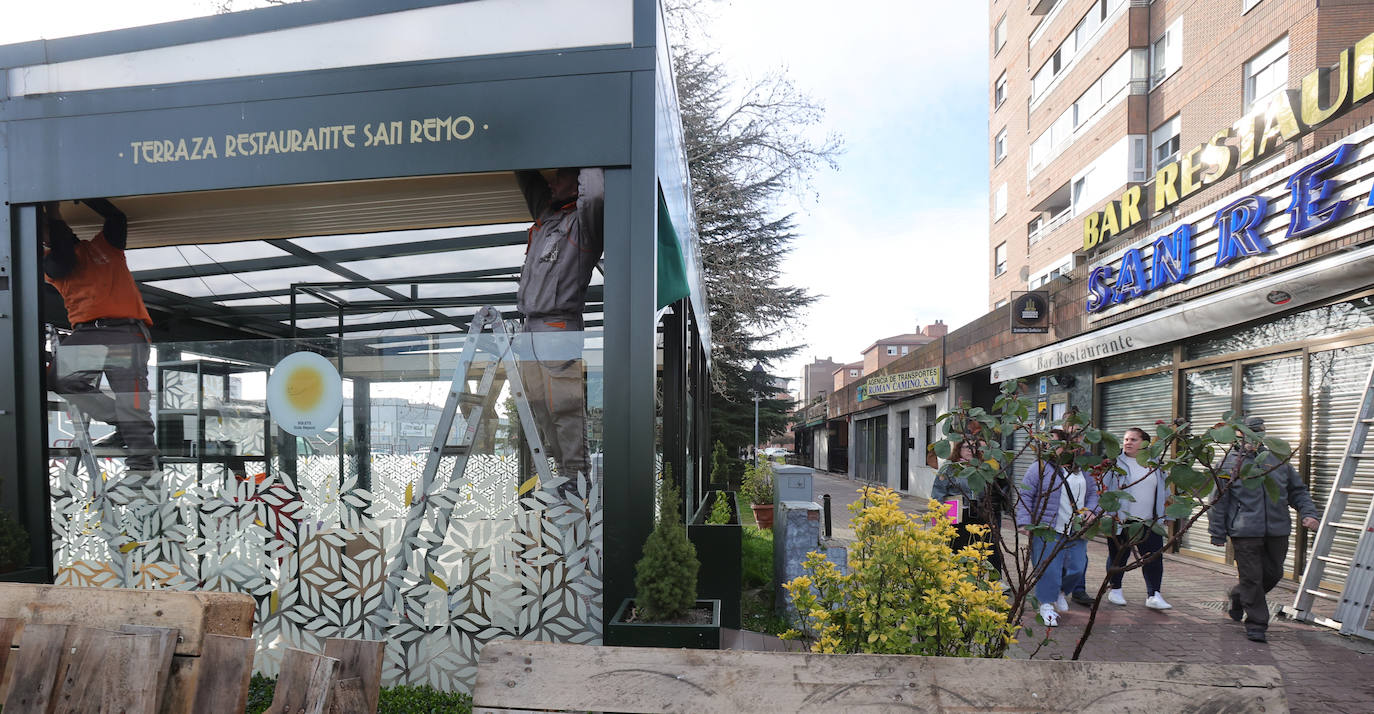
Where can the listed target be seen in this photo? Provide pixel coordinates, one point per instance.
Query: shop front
(1261, 303)
(892, 437)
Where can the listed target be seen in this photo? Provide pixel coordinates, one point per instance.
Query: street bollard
(826, 509)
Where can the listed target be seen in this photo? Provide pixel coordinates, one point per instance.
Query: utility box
(793, 483)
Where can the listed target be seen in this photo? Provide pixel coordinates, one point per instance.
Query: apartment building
(1092, 97)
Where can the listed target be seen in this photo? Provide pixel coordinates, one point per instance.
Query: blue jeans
(1064, 572)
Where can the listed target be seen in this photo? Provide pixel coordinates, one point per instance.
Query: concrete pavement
(1322, 670)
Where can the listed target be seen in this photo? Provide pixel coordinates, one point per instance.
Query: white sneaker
(1116, 597)
(1061, 604)
(1157, 602)
(1048, 614)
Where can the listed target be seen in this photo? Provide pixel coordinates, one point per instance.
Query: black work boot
(1236, 611)
(1255, 633)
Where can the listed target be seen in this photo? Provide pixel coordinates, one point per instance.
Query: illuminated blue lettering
(1310, 188)
(1099, 292)
(1173, 258)
(1238, 233)
(1130, 279)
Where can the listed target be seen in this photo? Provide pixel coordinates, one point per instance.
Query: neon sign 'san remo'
(304, 394)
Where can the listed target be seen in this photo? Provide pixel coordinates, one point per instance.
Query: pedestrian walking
(1258, 527)
(1051, 493)
(982, 509)
(1148, 492)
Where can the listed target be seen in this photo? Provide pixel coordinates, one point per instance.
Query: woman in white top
(1146, 485)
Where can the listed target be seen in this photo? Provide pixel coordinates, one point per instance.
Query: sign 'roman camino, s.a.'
(928, 378)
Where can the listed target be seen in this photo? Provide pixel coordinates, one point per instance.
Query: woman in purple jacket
(1051, 493)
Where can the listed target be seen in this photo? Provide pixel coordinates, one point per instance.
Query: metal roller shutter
(1207, 396)
(1272, 391)
(1137, 402)
(1336, 385)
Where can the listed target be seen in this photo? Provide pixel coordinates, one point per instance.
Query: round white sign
(304, 393)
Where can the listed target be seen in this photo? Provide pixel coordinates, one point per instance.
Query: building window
(999, 147)
(999, 35)
(1266, 74)
(906, 349)
(999, 93)
(999, 259)
(1164, 142)
(853, 372)
(1248, 5)
(891, 350)
(999, 203)
(1166, 54)
(1078, 187)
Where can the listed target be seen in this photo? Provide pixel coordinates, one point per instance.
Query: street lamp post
(757, 375)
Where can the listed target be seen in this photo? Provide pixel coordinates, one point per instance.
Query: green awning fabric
(672, 271)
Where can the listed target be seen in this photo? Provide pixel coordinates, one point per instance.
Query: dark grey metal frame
(625, 88)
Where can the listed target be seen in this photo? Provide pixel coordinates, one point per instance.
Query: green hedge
(403, 699)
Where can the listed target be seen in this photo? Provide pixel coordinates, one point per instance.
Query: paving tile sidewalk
(1322, 671)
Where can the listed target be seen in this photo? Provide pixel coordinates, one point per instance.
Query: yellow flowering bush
(907, 591)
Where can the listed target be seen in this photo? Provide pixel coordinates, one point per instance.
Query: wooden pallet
(90, 650)
(540, 676)
(104, 649)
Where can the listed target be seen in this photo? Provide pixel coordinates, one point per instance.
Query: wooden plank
(80, 670)
(226, 666)
(540, 675)
(193, 614)
(306, 683)
(362, 659)
(9, 627)
(166, 645)
(349, 697)
(179, 696)
(132, 673)
(35, 668)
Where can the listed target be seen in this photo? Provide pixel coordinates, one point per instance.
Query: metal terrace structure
(337, 177)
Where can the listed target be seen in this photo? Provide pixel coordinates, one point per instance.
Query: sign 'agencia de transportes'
(1288, 115)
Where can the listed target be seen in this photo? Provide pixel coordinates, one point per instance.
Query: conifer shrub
(720, 509)
(666, 576)
(720, 466)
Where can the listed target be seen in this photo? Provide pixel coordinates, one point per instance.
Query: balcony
(1047, 227)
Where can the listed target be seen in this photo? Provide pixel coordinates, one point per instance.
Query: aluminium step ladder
(499, 344)
(117, 541)
(1353, 602)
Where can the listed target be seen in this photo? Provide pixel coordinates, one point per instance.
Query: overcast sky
(897, 237)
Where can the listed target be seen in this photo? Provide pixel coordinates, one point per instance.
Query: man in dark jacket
(1258, 527)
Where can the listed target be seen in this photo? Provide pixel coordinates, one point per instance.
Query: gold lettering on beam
(1317, 105)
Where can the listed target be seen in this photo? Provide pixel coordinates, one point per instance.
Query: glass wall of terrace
(476, 477)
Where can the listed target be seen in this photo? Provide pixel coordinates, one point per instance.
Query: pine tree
(666, 576)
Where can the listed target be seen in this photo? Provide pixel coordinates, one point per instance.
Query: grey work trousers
(551, 369)
(1259, 565)
(120, 354)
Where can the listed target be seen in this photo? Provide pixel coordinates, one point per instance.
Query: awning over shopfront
(1306, 284)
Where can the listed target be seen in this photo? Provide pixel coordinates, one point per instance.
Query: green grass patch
(401, 699)
(756, 599)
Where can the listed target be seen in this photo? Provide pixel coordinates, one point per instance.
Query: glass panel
(1323, 322)
(433, 540)
(1207, 396)
(1272, 391)
(1336, 383)
(1140, 359)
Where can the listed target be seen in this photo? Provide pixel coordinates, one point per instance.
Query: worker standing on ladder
(564, 247)
(109, 337)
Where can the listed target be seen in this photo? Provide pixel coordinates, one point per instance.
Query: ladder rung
(1334, 560)
(455, 450)
(471, 399)
(1323, 594)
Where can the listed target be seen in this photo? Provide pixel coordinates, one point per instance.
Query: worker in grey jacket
(564, 247)
(1258, 527)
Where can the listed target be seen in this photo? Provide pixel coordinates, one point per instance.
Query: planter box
(719, 548)
(664, 634)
